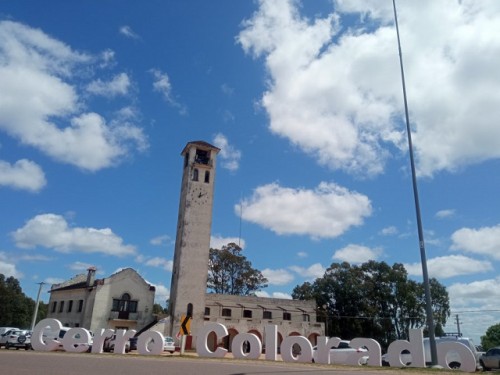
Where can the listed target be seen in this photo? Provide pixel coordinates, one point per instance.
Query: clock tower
(192, 244)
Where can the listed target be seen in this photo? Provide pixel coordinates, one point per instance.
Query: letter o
(467, 358)
(306, 349)
(255, 346)
(155, 338)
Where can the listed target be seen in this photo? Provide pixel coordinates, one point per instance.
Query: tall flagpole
(423, 258)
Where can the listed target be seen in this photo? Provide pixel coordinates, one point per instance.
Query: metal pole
(35, 313)
(423, 258)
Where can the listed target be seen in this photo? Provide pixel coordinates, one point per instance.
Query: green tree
(158, 309)
(230, 272)
(16, 309)
(373, 300)
(491, 337)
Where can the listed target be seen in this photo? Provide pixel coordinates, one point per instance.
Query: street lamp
(325, 311)
(423, 258)
(35, 313)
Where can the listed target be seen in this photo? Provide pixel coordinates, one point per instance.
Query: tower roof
(201, 144)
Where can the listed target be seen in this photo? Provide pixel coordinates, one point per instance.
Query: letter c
(202, 344)
(52, 325)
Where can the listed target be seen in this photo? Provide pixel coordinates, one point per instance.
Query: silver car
(490, 359)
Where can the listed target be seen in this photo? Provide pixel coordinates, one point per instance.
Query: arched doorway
(313, 338)
(280, 340)
(212, 341)
(228, 340)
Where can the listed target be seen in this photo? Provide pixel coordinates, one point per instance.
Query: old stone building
(123, 300)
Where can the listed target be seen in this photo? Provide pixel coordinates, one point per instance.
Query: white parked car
(342, 352)
(5, 334)
(168, 344)
(109, 344)
(18, 339)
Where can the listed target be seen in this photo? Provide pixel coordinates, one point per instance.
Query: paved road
(19, 362)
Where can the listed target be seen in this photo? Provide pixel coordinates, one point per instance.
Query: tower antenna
(241, 214)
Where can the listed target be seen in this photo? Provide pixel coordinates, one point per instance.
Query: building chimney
(90, 276)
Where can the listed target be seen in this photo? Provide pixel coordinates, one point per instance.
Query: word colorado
(151, 343)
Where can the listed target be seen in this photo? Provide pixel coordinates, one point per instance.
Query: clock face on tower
(199, 195)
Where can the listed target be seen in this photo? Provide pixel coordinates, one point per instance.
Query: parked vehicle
(168, 344)
(5, 329)
(340, 353)
(4, 336)
(109, 345)
(490, 359)
(19, 339)
(133, 343)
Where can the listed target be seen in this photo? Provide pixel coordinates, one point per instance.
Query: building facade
(250, 314)
(188, 297)
(122, 301)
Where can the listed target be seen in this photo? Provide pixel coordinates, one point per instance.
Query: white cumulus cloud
(353, 253)
(312, 272)
(278, 276)
(484, 241)
(335, 89)
(40, 106)
(23, 174)
(52, 231)
(325, 212)
(229, 155)
(217, 241)
(450, 266)
(119, 85)
(163, 263)
(8, 267)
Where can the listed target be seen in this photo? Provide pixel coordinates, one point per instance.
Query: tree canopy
(16, 309)
(373, 300)
(230, 272)
(491, 337)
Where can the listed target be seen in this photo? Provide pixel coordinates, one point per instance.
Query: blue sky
(98, 99)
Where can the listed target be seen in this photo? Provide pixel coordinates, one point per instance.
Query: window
(195, 174)
(189, 311)
(267, 315)
(287, 316)
(247, 313)
(207, 176)
(54, 306)
(306, 318)
(70, 306)
(202, 157)
(124, 304)
(80, 305)
(61, 307)
(132, 306)
(207, 310)
(226, 312)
